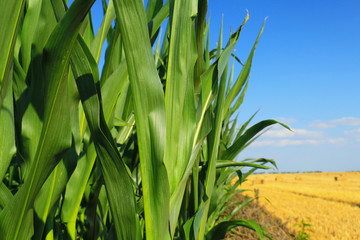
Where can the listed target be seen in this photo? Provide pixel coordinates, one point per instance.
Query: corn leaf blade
(179, 97)
(117, 180)
(220, 230)
(242, 140)
(149, 115)
(15, 221)
(10, 16)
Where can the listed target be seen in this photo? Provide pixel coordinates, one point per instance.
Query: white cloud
(281, 137)
(280, 132)
(308, 133)
(345, 121)
(284, 142)
(320, 124)
(355, 133)
(337, 140)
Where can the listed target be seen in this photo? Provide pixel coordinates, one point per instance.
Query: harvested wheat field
(330, 202)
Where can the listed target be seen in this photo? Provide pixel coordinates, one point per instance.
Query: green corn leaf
(264, 161)
(75, 113)
(122, 123)
(208, 89)
(244, 126)
(207, 45)
(125, 132)
(219, 231)
(219, 44)
(124, 106)
(188, 230)
(75, 190)
(112, 54)
(149, 110)
(158, 60)
(231, 76)
(164, 51)
(5, 196)
(76, 186)
(214, 147)
(242, 177)
(152, 8)
(15, 221)
(213, 75)
(18, 84)
(222, 205)
(204, 126)
(179, 97)
(232, 191)
(177, 197)
(103, 209)
(117, 180)
(210, 77)
(150, 151)
(10, 14)
(223, 164)
(33, 8)
(244, 74)
(45, 26)
(52, 226)
(112, 88)
(239, 101)
(30, 107)
(232, 132)
(199, 221)
(237, 208)
(200, 41)
(241, 142)
(214, 137)
(158, 19)
(87, 30)
(99, 39)
(224, 175)
(78, 181)
(51, 190)
(7, 133)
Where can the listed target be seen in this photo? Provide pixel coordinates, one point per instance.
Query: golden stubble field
(330, 202)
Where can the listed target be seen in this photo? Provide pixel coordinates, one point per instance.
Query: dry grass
(328, 201)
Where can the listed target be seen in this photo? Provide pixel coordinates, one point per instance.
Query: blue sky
(305, 73)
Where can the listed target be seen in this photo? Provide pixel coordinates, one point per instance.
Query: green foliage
(304, 231)
(146, 150)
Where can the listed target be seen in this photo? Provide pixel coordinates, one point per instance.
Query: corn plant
(147, 149)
